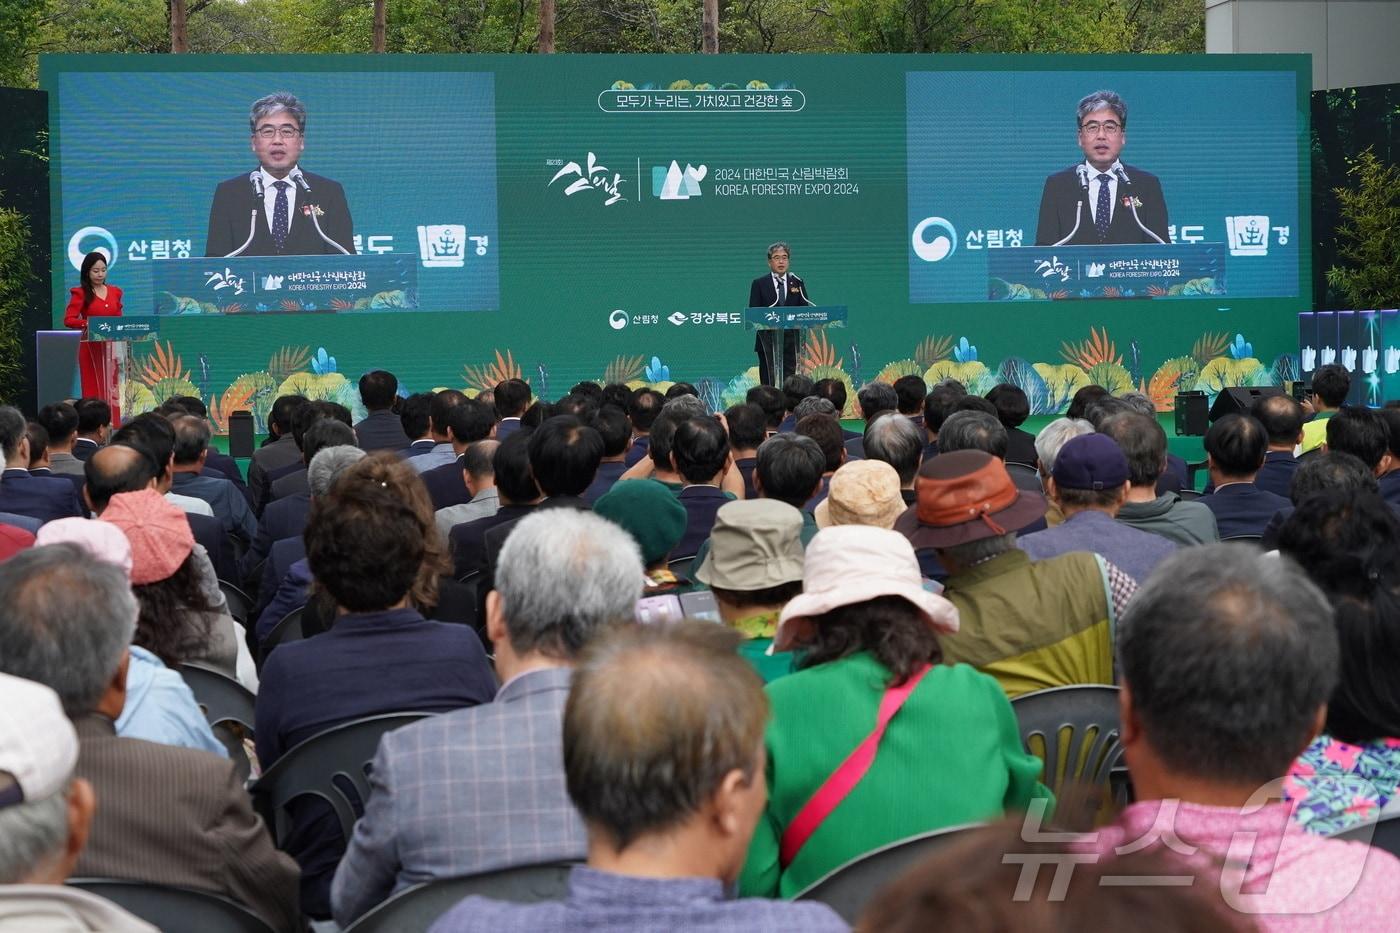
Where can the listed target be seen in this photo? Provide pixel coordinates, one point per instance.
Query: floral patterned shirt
(1337, 785)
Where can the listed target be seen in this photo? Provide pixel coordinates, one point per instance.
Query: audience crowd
(706, 661)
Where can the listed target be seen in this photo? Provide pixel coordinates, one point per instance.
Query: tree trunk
(179, 41)
(378, 26)
(709, 27)
(546, 43)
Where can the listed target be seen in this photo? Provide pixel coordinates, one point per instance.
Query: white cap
(38, 746)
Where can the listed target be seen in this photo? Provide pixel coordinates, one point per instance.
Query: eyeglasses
(278, 132)
(1093, 127)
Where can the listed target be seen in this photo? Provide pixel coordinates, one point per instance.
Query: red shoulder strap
(846, 776)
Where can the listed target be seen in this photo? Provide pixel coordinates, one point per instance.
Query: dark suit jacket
(701, 503)
(267, 460)
(289, 484)
(607, 476)
(467, 541)
(446, 485)
(506, 427)
(418, 448)
(1276, 475)
(1243, 509)
(382, 430)
(83, 448)
(747, 466)
(209, 531)
(280, 558)
(233, 204)
(76, 479)
(495, 537)
(284, 518)
(218, 462)
(641, 447)
(1020, 447)
(312, 685)
(1063, 192)
(43, 497)
(177, 816)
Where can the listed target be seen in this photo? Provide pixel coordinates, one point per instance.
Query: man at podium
(779, 288)
(1101, 200)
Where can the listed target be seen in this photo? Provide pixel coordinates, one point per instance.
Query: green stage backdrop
(603, 217)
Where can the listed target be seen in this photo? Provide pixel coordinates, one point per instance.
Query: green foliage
(28, 27)
(1369, 235)
(14, 294)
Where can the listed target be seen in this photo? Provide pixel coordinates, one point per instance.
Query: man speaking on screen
(781, 288)
(1101, 200)
(277, 209)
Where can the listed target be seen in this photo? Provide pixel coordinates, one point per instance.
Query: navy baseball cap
(1090, 461)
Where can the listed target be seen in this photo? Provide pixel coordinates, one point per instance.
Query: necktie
(279, 215)
(782, 289)
(1101, 210)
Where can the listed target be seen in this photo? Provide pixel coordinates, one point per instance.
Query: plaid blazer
(466, 792)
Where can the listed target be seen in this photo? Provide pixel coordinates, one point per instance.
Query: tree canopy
(29, 27)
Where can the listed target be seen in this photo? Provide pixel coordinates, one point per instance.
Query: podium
(104, 358)
(1047, 273)
(781, 318)
(286, 284)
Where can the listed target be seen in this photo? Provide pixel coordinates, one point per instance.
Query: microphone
(1078, 214)
(300, 179)
(255, 179)
(1083, 176)
(1132, 205)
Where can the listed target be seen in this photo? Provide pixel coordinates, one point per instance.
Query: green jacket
(951, 755)
(1034, 625)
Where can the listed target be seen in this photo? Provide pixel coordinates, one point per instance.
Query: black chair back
(175, 910)
(1074, 731)
(333, 766)
(1188, 495)
(846, 889)
(224, 701)
(1255, 538)
(682, 566)
(1381, 834)
(1025, 471)
(240, 604)
(415, 909)
(289, 629)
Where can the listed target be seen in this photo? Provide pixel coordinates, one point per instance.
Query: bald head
(118, 468)
(478, 462)
(1282, 418)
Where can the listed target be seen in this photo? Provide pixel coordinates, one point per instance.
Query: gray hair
(327, 464)
(1229, 655)
(778, 246)
(1140, 403)
(897, 441)
(31, 833)
(973, 430)
(562, 576)
(13, 429)
(982, 549)
(1098, 101)
(1054, 436)
(814, 405)
(67, 622)
(272, 103)
(684, 407)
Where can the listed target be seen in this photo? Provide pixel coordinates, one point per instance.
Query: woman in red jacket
(95, 298)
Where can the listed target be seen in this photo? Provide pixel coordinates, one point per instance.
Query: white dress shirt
(270, 196)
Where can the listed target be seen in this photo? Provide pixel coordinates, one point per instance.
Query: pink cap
(159, 533)
(102, 540)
